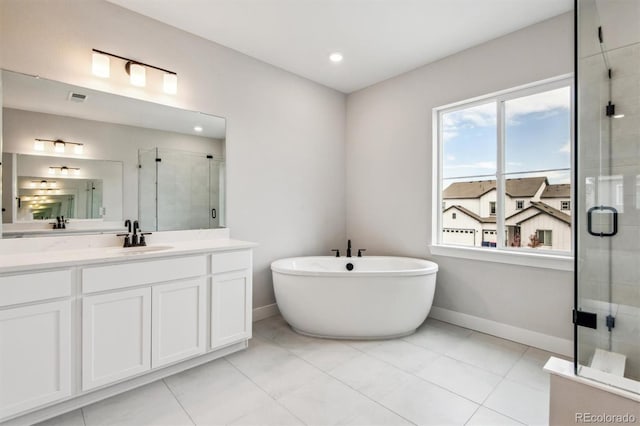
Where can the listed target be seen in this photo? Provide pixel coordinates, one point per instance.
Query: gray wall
(285, 134)
(389, 174)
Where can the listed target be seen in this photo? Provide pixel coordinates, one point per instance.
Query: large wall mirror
(98, 159)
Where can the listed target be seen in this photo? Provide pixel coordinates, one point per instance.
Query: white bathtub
(382, 297)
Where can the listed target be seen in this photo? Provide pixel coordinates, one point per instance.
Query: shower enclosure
(607, 162)
(180, 190)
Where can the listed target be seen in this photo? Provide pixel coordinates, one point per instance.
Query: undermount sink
(140, 249)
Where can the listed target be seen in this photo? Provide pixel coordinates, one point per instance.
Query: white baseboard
(264, 312)
(521, 335)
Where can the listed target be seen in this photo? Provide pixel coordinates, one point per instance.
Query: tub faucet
(348, 248)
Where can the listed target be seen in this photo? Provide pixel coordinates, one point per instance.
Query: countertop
(28, 262)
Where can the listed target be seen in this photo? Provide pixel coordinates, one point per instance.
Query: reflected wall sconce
(59, 146)
(137, 71)
(43, 183)
(64, 170)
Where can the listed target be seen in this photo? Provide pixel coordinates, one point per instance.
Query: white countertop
(25, 262)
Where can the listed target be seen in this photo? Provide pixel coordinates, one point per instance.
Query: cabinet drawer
(26, 288)
(123, 275)
(231, 261)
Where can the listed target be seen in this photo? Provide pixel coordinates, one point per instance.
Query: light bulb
(43, 184)
(58, 147)
(52, 170)
(197, 129)
(170, 83)
(100, 65)
(64, 171)
(76, 172)
(38, 145)
(137, 75)
(78, 149)
(336, 57)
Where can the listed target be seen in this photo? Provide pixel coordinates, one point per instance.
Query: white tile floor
(441, 375)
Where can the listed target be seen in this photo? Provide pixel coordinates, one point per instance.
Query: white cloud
(549, 102)
(476, 165)
(566, 148)
(478, 116)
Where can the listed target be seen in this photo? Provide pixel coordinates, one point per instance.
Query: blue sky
(538, 133)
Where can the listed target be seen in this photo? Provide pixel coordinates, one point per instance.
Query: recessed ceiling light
(336, 57)
(198, 128)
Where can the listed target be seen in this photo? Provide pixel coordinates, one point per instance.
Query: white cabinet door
(35, 358)
(230, 307)
(179, 321)
(116, 336)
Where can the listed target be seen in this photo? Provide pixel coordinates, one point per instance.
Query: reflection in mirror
(112, 130)
(48, 187)
(180, 190)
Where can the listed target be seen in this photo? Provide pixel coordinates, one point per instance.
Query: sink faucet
(348, 248)
(134, 237)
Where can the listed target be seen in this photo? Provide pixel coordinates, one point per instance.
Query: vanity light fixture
(43, 184)
(100, 65)
(136, 70)
(64, 170)
(59, 146)
(198, 129)
(137, 74)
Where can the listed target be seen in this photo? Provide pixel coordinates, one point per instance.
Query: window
(543, 237)
(453, 215)
(497, 152)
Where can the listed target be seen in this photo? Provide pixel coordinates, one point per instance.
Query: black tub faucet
(127, 223)
(348, 248)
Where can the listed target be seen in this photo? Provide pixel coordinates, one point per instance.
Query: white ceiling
(379, 38)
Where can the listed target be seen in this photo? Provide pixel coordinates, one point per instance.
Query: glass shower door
(608, 200)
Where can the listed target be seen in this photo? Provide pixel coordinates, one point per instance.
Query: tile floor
(441, 375)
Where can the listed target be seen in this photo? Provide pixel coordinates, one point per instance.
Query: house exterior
(537, 214)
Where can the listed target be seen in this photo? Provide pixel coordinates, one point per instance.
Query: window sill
(534, 260)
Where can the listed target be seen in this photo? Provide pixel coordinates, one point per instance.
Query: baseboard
(264, 312)
(521, 335)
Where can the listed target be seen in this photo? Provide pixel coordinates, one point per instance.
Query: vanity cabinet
(116, 336)
(231, 297)
(92, 330)
(179, 320)
(35, 339)
(35, 355)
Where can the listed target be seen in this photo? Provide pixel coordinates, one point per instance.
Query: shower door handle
(614, 214)
(214, 213)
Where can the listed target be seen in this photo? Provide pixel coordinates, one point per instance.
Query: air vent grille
(77, 97)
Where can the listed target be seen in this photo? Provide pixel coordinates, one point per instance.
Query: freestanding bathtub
(380, 297)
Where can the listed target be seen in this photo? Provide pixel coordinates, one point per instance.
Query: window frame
(519, 204)
(551, 259)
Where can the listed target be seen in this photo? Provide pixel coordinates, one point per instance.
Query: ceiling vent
(77, 97)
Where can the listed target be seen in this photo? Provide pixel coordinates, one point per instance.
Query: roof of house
(545, 208)
(522, 187)
(491, 219)
(557, 191)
